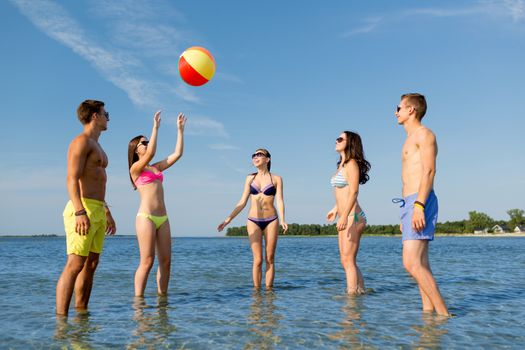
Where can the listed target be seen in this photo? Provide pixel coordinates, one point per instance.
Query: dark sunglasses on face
(258, 155)
(339, 139)
(143, 143)
(398, 108)
(106, 114)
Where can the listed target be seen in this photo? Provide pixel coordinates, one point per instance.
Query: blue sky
(291, 75)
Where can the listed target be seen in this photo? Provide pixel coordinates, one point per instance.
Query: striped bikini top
(269, 190)
(339, 180)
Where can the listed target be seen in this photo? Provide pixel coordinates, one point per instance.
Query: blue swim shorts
(431, 216)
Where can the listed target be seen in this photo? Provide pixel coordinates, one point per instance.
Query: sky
(290, 77)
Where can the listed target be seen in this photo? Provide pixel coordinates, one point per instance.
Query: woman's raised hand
(156, 118)
(181, 121)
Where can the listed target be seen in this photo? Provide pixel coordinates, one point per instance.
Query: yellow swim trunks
(94, 240)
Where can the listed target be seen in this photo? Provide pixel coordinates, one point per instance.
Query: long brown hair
(354, 150)
(133, 156)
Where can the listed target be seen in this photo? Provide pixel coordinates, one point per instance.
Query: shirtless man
(86, 216)
(420, 206)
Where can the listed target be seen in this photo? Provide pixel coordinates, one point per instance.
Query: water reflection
(430, 331)
(351, 326)
(75, 332)
(153, 325)
(263, 320)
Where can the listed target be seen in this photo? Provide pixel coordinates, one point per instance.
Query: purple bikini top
(268, 190)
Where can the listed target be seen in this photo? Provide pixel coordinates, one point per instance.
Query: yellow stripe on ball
(201, 62)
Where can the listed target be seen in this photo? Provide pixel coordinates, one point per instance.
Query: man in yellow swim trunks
(86, 216)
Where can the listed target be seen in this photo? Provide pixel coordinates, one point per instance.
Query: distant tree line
(476, 221)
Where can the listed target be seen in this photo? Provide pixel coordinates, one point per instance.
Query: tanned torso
(412, 167)
(152, 195)
(342, 195)
(262, 206)
(93, 178)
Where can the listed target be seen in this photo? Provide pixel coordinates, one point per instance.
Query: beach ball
(196, 66)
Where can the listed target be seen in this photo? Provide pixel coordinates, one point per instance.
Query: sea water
(212, 305)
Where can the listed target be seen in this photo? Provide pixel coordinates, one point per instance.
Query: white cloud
(153, 41)
(223, 147)
(124, 66)
(498, 8)
(135, 10)
(235, 167)
(185, 92)
(495, 8)
(442, 12)
(371, 24)
(229, 77)
(516, 9)
(199, 125)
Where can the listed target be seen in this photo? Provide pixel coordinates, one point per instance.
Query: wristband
(421, 206)
(81, 212)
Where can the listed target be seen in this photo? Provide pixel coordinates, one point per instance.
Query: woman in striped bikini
(152, 225)
(263, 187)
(352, 170)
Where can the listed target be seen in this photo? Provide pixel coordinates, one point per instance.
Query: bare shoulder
(135, 168)
(80, 143)
(351, 166)
(425, 135)
(277, 177)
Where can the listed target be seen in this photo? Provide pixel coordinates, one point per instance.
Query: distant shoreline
(489, 235)
(508, 234)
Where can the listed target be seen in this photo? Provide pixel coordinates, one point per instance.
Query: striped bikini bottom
(262, 223)
(357, 215)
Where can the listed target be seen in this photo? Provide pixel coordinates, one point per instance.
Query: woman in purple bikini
(263, 187)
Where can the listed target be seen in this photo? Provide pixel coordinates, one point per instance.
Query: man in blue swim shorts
(419, 209)
(430, 212)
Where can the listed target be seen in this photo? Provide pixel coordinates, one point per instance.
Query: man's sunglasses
(258, 155)
(398, 108)
(106, 114)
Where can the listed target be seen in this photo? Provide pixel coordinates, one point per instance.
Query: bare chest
(97, 158)
(410, 151)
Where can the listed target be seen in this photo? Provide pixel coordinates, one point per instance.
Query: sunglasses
(258, 155)
(106, 114)
(398, 108)
(143, 143)
(339, 139)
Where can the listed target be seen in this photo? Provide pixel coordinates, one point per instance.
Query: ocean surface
(211, 303)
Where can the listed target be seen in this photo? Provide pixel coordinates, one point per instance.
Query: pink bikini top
(147, 177)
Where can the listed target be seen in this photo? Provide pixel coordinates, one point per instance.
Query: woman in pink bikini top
(152, 224)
